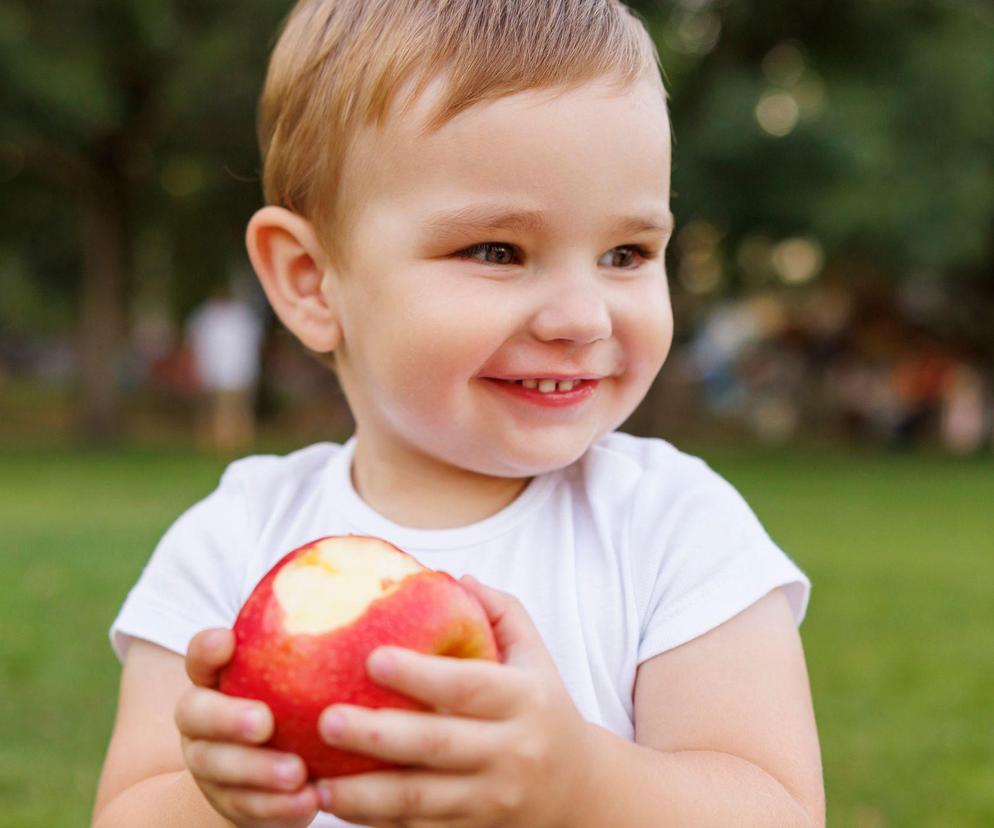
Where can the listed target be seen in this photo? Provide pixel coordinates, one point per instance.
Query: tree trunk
(103, 214)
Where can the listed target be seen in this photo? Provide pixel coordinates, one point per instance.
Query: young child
(468, 209)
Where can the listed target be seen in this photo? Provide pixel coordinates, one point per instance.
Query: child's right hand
(247, 784)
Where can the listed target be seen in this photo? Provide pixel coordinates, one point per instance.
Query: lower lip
(581, 392)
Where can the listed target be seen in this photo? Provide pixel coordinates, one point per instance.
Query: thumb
(517, 637)
(208, 651)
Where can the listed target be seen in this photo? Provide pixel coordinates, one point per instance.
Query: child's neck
(434, 496)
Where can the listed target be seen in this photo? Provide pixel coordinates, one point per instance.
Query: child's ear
(293, 267)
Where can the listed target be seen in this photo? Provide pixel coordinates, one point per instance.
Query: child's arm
(725, 733)
(146, 779)
(724, 724)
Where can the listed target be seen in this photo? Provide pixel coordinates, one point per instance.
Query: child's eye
(630, 253)
(501, 253)
(504, 253)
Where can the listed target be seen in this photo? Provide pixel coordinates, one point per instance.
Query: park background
(833, 283)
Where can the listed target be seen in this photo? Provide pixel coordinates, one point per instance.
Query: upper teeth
(547, 386)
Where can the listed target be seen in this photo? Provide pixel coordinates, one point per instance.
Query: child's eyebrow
(483, 217)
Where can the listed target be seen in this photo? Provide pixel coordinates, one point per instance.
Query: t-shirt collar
(345, 500)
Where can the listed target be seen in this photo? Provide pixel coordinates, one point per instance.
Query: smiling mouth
(551, 388)
(546, 386)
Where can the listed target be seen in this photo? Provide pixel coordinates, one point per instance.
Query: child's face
(426, 328)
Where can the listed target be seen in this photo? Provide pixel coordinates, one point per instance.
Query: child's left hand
(503, 744)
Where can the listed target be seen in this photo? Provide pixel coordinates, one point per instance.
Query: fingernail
(252, 721)
(287, 771)
(324, 796)
(333, 724)
(381, 664)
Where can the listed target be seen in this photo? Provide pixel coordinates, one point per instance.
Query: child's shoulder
(620, 457)
(652, 478)
(262, 473)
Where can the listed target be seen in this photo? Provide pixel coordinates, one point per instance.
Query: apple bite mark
(332, 585)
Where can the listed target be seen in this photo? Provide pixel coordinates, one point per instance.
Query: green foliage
(890, 157)
(159, 95)
(38, 271)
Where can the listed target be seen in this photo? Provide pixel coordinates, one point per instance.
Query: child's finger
(219, 763)
(208, 651)
(518, 640)
(411, 738)
(463, 686)
(265, 808)
(211, 715)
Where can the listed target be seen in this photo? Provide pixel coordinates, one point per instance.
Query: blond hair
(338, 65)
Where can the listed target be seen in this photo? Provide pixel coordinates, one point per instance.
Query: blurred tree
(868, 126)
(140, 113)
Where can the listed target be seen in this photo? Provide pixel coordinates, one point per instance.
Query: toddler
(467, 211)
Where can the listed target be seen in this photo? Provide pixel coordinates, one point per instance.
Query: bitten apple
(304, 634)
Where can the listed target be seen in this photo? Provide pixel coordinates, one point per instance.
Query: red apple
(304, 634)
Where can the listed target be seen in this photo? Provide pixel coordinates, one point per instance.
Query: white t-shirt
(630, 551)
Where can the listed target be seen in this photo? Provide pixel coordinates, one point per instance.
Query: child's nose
(575, 310)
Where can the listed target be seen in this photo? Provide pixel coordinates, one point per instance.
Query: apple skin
(299, 674)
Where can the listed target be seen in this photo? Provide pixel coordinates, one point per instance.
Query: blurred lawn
(899, 636)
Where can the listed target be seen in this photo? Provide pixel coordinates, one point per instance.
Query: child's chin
(518, 456)
(534, 460)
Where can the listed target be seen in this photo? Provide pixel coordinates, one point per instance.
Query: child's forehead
(417, 109)
(498, 137)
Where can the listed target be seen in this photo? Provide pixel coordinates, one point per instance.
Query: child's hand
(246, 784)
(504, 744)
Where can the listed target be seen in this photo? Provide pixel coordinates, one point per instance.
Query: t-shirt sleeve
(194, 577)
(708, 558)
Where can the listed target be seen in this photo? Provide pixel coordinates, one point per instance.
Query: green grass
(899, 636)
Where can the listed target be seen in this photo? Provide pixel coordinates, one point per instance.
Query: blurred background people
(225, 337)
(965, 410)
